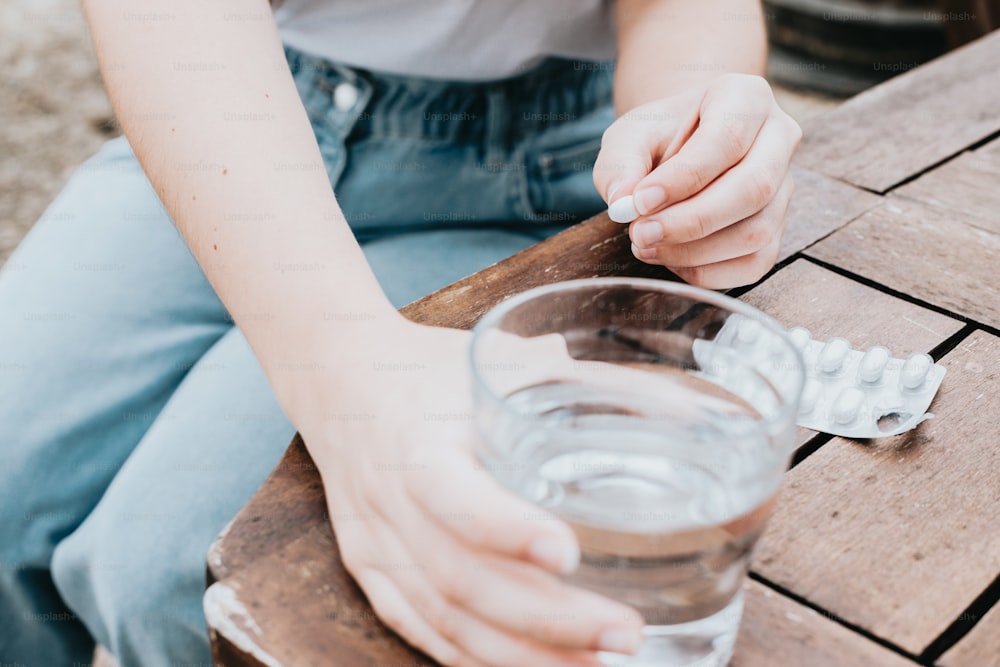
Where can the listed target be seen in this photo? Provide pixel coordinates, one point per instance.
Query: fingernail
(555, 554)
(645, 254)
(647, 233)
(623, 210)
(620, 640)
(650, 199)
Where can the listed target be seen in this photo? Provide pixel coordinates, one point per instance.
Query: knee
(133, 593)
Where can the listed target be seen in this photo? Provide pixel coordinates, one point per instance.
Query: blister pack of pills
(848, 392)
(863, 394)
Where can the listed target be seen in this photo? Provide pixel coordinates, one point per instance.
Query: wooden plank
(288, 501)
(940, 257)
(979, 648)
(595, 247)
(828, 304)
(298, 606)
(820, 205)
(967, 184)
(779, 632)
(599, 247)
(900, 535)
(990, 150)
(902, 127)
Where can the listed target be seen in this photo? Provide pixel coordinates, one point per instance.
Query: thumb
(636, 143)
(621, 164)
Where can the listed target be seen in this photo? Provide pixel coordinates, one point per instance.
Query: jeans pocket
(560, 166)
(335, 98)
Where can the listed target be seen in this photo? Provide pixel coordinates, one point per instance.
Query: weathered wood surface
(779, 632)
(889, 133)
(935, 255)
(979, 648)
(828, 304)
(990, 150)
(900, 535)
(599, 247)
(969, 184)
(287, 503)
(297, 606)
(820, 205)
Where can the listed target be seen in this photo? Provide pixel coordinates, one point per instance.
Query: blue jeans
(134, 419)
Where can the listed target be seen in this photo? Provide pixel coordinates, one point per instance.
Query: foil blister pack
(848, 392)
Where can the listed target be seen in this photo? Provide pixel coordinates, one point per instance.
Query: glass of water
(657, 420)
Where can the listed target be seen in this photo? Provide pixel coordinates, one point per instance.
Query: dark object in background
(841, 47)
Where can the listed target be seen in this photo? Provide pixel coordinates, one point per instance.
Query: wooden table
(879, 553)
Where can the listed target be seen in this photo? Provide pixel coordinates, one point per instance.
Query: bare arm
(668, 46)
(192, 86)
(393, 477)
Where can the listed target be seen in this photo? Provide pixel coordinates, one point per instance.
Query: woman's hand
(704, 179)
(461, 568)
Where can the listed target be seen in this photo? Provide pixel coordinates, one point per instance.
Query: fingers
(745, 270)
(635, 143)
(459, 481)
(709, 262)
(732, 113)
(392, 608)
(434, 594)
(745, 237)
(741, 192)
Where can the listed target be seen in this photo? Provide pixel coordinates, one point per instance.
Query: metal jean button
(345, 96)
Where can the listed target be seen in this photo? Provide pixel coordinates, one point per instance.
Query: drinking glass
(656, 419)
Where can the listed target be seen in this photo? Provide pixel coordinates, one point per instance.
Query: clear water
(667, 495)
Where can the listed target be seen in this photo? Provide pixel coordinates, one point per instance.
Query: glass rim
(495, 314)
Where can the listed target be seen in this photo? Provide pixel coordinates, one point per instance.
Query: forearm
(667, 46)
(191, 86)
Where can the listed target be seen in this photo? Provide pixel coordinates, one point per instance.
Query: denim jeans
(134, 419)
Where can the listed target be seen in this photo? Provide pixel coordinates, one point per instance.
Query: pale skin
(400, 487)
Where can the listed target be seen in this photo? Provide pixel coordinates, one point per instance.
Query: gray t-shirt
(448, 39)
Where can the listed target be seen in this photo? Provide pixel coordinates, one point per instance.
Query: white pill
(832, 356)
(749, 331)
(914, 371)
(873, 364)
(847, 405)
(800, 337)
(810, 395)
(623, 210)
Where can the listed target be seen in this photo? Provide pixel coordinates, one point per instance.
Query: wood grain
(297, 606)
(820, 206)
(593, 248)
(779, 632)
(979, 648)
(599, 247)
(828, 304)
(968, 184)
(901, 534)
(891, 132)
(990, 150)
(289, 500)
(935, 255)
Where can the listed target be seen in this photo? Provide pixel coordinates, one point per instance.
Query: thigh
(102, 312)
(134, 571)
(411, 265)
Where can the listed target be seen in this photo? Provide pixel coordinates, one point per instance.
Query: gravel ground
(54, 113)
(53, 110)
